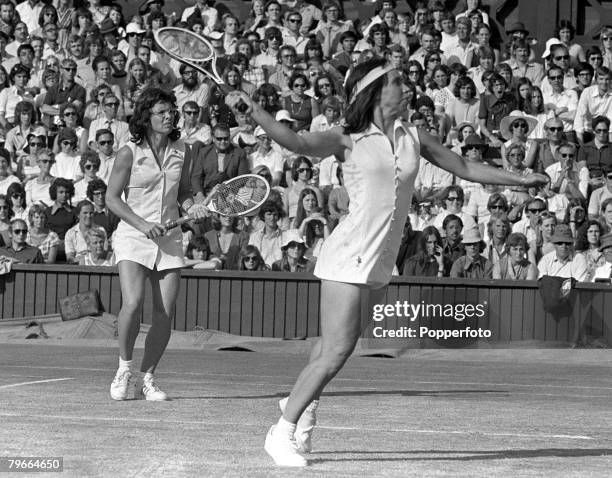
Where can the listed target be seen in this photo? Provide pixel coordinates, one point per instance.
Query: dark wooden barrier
(273, 304)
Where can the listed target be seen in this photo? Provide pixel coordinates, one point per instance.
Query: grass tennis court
(429, 413)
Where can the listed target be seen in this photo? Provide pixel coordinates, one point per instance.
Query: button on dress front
(379, 180)
(152, 193)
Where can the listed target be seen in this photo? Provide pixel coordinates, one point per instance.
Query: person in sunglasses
(595, 101)
(596, 155)
(515, 128)
(531, 220)
(119, 128)
(89, 164)
(250, 260)
(566, 176)
(600, 195)
(563, 261)
(18, 249)
(547, 149)
(67, 91)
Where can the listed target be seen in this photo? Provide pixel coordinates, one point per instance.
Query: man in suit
(217, 162)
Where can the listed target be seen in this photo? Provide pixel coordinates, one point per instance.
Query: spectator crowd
(71, 72)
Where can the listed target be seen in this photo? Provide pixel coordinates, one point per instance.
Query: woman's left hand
(198, 211)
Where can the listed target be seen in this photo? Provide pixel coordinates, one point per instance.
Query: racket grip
(242, 106)
(177, 222)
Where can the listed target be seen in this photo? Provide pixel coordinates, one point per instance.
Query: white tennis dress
(152, 193)
(380, 183)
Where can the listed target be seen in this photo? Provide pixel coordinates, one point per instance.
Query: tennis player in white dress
(152, 174)
(381, 157)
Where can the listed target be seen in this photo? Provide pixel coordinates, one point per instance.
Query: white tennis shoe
(283, 450)
(304, 428)
(150, 391)
(120, 387)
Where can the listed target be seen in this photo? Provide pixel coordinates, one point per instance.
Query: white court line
(37, 381)
(336, 379)
(255, 425)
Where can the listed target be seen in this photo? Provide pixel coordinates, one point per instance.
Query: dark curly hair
(95, 185)
(142, 114)
(61, 182)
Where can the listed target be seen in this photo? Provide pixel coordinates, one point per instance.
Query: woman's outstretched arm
(446, 159)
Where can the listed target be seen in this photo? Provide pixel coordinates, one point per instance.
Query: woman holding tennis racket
(381, 158)
(153, 174)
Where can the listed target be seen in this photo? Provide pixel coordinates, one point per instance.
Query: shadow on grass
(470, 455)
(358, 393)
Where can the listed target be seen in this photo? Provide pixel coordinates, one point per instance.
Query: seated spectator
(515, 128)
(301, 177)
(193, 130)
(558, 203)
(6, 215)
(472, 265)
(110, 120)
(563, 261)
(269, 239)
(18, 249)
(604, 272)
(103, 217)
(61, 216)
(104, 141)
(430, 260)
(6, 176)
(10, 97)
(452, 201)
(308, 204)
(97, 253)
(452, 245)
(293, 250)
(331, 111)
(547, 149)
(95, 107)
(566, 176)
(600, 195)
(16, 196)
(542, 244)
(38, 188)
(484, 202)
(473, 150)
(71, 119)
(67, 161)
(514, 265)
(27, 166)
(266, 155)
(89, 166)
(529, 223)
(17, 137)
(314, 229)
(198, 255)
(493, 107)
(226, 241)
(466, 107)
(250, 260)
(588, 243)
(75, 241)
(516, 163)
(41, 236)
(606, 215)
(498, 230)
(597, 154)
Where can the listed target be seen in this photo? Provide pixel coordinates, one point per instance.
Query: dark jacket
(205, 173)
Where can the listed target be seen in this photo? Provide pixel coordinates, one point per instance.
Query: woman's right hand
(152, 229)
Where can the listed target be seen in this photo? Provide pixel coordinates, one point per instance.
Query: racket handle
(177, 222)
(242, 106)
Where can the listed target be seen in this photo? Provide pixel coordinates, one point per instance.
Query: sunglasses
(105, 143)
(497, 206)
(556, 77)
(606, 38)
(567, 155)
(36, 143)
(519, 124)
(69, 68)
(294, 20)
(222, 138)
(601, 131)
(563, 244)
(472, 147)
(324, 85)
(304, 170)
(17, 195)
(20, 231)
(609, 176)
(250, 259)
(555, 129)
(70, 113)
(562, 57)
(452, 198)
(299, 85)
(89, 167)
(44, 161)
(190, 113)
(535, 210)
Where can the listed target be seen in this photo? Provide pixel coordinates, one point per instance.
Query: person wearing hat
(563, 261)
(604, 272)
(134, 33)
(472, 265)
(516, 128)
(110, 32)
(493, 107)
(266, 155)
(293, 260)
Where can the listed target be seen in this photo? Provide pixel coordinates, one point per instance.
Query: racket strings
(185, 45)
(244, 194)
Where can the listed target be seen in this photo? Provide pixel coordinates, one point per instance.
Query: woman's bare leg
(132, 277)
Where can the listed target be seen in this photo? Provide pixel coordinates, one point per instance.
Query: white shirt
(575, 267)
(106, 166)
(200, 95)
(272, 160)
(29, 15)
(603, 272)
(566, 99)
(597, 198)
(120, 129)
(554, 171)
(66, 166)
(269, 247)
(9, 97)
(590, 105)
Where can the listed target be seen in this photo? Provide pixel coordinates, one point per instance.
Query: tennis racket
(239, 196)
(191, 49)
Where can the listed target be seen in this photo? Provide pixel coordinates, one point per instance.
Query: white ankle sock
(124, 365)
(148, 378)
(283, 427)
